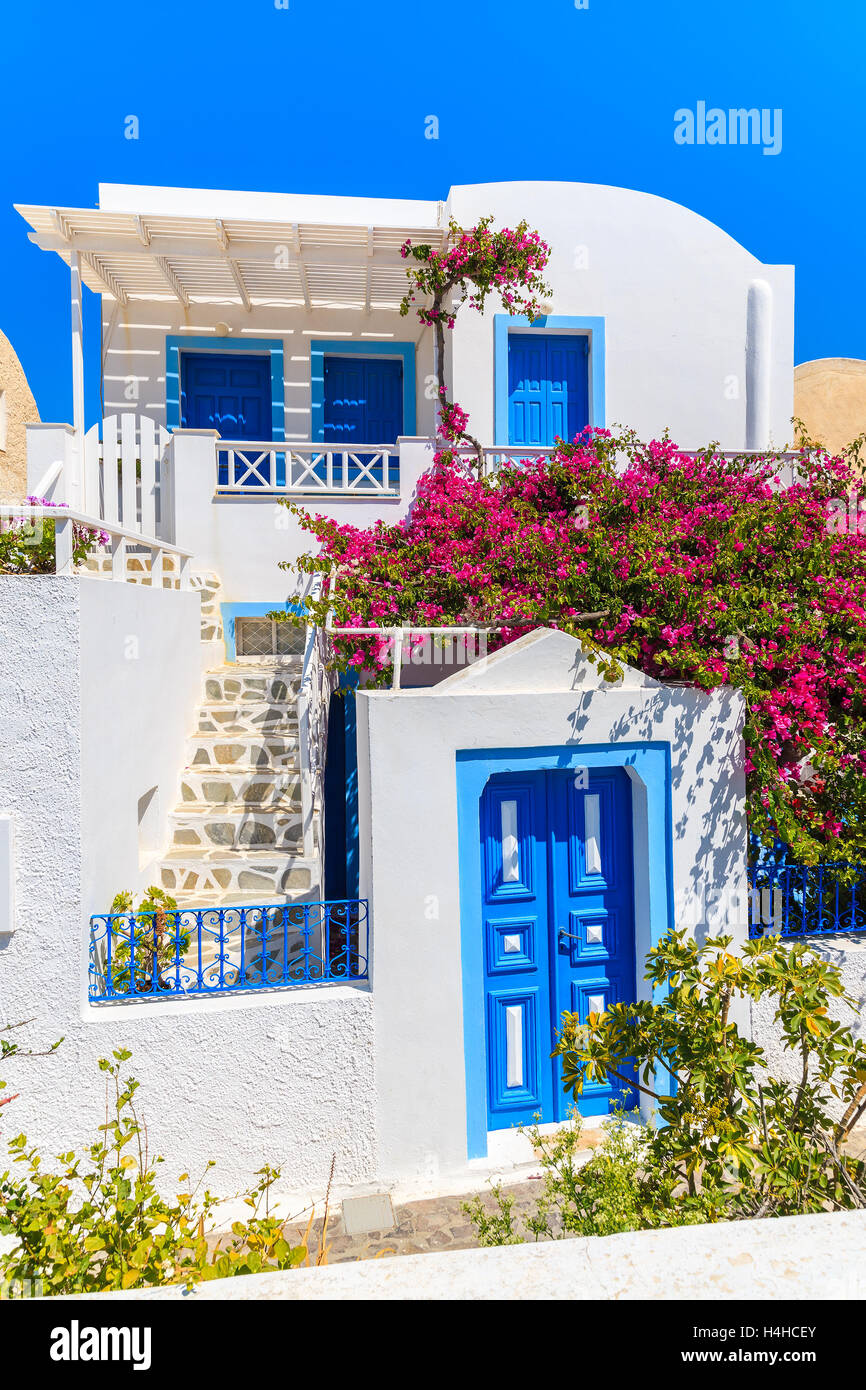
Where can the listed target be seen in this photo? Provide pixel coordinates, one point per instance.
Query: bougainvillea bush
(707, 570)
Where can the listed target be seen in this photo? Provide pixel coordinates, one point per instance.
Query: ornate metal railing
(807, 900)
(226, 950)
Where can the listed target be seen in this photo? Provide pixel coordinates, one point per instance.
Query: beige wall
(17, 409)
(830, 398)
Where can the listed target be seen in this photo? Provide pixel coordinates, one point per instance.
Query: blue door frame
(576, 978)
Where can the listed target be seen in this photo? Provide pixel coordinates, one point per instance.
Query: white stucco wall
(287, 1079)
(244, 539)
(672, 287)
(673, 290)
(409, 841)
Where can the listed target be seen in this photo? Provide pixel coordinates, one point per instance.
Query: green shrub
(99, 1221)
(731, 1140)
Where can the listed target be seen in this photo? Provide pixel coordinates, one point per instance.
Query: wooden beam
(172, 280)
(241, 288)
(196, 249)
(302, 269)
(369, 277)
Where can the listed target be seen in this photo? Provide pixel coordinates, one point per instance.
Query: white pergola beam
(302, 269)
(172, 280)
(172, 248)
(241, 288)
(369, 276)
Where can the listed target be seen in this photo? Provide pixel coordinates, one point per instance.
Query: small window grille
(264, 637)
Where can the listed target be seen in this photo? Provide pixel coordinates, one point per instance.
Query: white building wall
(673, 289)
(286, 1079)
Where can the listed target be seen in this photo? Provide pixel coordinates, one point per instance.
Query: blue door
(363, 403)
(363, 400)
(229, 392)
(558, 921)
(548, 387)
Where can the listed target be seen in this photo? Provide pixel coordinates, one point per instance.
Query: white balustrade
(264, 467)
(66, 520)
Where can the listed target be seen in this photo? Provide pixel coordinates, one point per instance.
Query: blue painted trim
(175, 344)
(503, 324)
(651, 762)
(230, 611)
(320, 347)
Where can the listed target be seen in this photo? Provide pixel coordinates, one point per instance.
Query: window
(264, 637)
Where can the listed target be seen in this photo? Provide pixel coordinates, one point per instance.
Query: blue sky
(330, 96)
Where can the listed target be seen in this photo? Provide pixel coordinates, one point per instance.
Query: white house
(378, 928)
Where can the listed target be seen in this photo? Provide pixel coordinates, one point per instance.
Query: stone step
(204, 901)
(221, 872)
(237, 827)
(253, 716)
(279, 752)
(250, 787)
(251, 684)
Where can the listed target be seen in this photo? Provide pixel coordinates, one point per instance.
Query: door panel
(548, 387)
(229, 392)
(514, 913)
(592, 901)
(558, 920)
(363, 402)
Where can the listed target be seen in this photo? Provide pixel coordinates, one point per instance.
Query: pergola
(128, 257)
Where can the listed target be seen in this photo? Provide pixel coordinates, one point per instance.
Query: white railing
(314, 696)
(503, 453)
(468, 644)
(118, 538)
(125, 481)
(262, 467)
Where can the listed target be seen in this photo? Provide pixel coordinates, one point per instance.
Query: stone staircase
(237, 832)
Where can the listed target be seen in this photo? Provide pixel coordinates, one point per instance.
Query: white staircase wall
(140, 682)
(286, 1077)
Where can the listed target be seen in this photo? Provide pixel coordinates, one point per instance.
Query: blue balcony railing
(226, 950)
(799, 900)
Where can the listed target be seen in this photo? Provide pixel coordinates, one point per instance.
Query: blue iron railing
(800, 900)
(226, 950)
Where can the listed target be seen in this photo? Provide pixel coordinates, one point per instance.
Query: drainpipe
(759, 343)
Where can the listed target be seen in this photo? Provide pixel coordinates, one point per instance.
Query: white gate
(126, 477)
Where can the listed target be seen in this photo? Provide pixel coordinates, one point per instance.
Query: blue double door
(548, 387)
(558, 922)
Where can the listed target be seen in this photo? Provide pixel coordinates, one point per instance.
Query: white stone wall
(287, 1079)
(806, 1258)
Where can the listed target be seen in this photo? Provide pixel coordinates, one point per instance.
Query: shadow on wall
(17, 409)
(717, 861)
